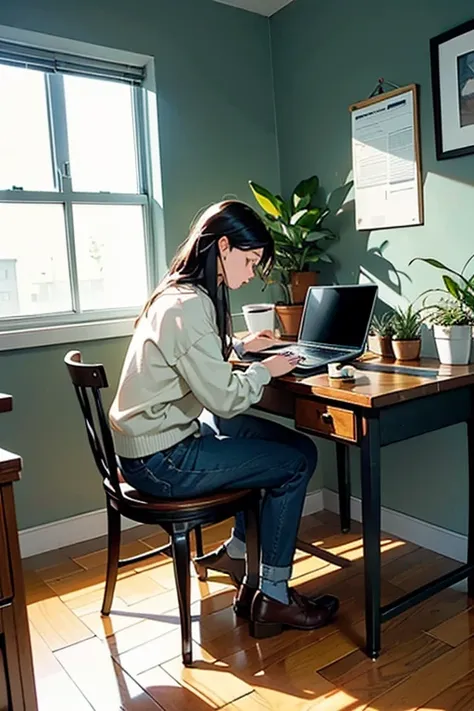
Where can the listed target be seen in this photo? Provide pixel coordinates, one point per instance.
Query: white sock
(277, 591)
(235, 547)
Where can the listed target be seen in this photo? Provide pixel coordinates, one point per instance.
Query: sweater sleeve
(221, 390)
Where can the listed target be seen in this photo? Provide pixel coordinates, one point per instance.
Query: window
(74, 208)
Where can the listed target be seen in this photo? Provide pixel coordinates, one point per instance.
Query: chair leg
(198, 537)
(181, 561)
(113, 553)
(252, 537)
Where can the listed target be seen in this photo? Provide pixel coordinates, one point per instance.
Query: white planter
(453, 344)
(259, 317)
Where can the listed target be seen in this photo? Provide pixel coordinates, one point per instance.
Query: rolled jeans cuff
(275, 575)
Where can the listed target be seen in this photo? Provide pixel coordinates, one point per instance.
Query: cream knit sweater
(173, 369)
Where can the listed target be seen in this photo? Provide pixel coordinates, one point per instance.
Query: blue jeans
(243, 452)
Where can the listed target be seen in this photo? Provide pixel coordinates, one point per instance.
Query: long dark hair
(196, 260)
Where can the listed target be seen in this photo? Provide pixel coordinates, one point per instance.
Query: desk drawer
(319, 417)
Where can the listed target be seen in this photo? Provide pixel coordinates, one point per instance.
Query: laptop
(334, 326)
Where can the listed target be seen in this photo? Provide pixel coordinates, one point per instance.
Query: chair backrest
(88, 380)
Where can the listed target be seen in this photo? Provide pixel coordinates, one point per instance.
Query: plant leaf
(315, 257)
(324, 213)
(326, 258)
(439, 265)
(297, 216)
(321, 234)
(285, 209)
(467, 264)
(300, 202)
(432, 262)
(304, 191)
(308, 219)
(267, 201)
(451, 286)
(337, 197)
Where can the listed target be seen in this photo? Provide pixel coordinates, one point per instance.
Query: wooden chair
(177, 517)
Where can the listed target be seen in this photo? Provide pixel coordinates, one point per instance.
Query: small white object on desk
(341, 372)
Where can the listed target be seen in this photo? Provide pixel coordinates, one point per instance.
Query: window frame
(61, 322)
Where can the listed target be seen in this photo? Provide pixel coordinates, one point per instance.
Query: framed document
(452, 78)
(386, 162)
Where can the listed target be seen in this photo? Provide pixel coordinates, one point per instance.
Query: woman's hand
(279, 365)
(256, 342)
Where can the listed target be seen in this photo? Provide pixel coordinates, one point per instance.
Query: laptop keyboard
(320, 352)
(314, 357)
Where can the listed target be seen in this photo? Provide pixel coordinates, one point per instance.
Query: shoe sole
(263, 630)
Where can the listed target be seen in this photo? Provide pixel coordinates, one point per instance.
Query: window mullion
(61, 148)
(145, 178)
(58, 105)
(140, 138)
(72, 259)
(52, 134)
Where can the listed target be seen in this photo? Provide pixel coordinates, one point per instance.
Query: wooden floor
(131, 660)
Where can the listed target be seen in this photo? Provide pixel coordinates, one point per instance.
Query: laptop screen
(338, 315)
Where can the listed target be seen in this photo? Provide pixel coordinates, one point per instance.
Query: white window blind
(18, 55)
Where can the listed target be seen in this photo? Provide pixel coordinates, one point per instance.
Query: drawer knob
(326, 418)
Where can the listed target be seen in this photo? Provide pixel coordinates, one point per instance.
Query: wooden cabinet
(17, 686)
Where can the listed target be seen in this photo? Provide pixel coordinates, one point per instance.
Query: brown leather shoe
(270, 617)
(243, 601)
(245, 595)
(220, 561)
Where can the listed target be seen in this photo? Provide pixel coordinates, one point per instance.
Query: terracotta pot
(300, 282)
(289, 318)
(381, 346)
(407, 350)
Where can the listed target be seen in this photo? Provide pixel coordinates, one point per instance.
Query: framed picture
(452, 77)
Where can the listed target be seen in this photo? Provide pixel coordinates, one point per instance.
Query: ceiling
(263, 7)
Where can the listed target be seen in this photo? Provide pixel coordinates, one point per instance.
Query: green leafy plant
(448, 313)
(460, 288)
(301, 239)
(382, 326)
(406, 324)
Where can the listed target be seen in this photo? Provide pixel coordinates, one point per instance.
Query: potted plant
(380, 335)
(301, 241)
(452, 329)
(406, 337)
(452, 319)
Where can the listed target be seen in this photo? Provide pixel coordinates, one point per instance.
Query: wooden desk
(376, 410)
(17, 685)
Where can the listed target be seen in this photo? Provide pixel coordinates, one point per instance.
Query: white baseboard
(434, 538)
(66, 532)
(313, 502)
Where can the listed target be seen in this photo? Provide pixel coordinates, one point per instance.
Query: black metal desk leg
(470, 532)
(370, 479)
(344, 484)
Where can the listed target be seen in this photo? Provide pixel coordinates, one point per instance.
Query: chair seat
(138, 499)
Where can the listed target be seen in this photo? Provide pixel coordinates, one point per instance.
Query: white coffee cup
(259, 317)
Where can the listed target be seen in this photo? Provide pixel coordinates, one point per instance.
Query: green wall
(217, 130)
(327, 56)
(213, 69)
(46, 428)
